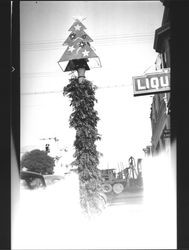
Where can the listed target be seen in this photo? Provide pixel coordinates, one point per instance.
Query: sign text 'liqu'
(151, 83)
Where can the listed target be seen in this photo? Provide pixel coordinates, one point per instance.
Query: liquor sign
(152, 83)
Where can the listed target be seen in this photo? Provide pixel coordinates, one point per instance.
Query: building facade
(160, 107)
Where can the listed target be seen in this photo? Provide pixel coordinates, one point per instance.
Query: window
(164, 59)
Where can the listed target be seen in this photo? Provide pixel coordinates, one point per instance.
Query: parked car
(33, 180)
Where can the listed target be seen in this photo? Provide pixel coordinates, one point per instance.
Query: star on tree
(77, 27)
(85, 53)
(71, 48)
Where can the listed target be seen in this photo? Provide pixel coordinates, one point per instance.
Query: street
(52, 216)
(126, 198)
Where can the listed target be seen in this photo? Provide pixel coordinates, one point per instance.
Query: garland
(84, 120)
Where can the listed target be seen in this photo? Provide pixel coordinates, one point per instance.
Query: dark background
(179, 112)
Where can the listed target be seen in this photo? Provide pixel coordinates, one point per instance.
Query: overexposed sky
(123, 34)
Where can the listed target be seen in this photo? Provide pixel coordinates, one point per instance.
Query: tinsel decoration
(84, 120)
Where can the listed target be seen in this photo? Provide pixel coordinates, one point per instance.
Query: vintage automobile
(124, 180)
(33, 180)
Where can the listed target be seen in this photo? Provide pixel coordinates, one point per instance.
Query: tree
(38, 161)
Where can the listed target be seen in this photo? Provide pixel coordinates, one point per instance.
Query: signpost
(152, 83)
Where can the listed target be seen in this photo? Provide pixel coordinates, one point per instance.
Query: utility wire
(42, 92)
(120, 43)
(107, 41)
(55, 74)
(61, 91)
(40, 74)
(43, 42)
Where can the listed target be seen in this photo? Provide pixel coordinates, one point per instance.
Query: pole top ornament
(78, 53)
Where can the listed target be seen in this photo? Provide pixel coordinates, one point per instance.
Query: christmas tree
(79, 53)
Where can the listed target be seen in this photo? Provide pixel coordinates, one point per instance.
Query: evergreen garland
(84, 119)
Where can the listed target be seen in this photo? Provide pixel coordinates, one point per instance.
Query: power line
(115, 86)
(61, 91)
(96, 44)
(107, 41)
(42, 92)
(125, 36)
(40, 74)
(98, 38)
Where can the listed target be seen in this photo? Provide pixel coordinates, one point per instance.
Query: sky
(123, 37)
